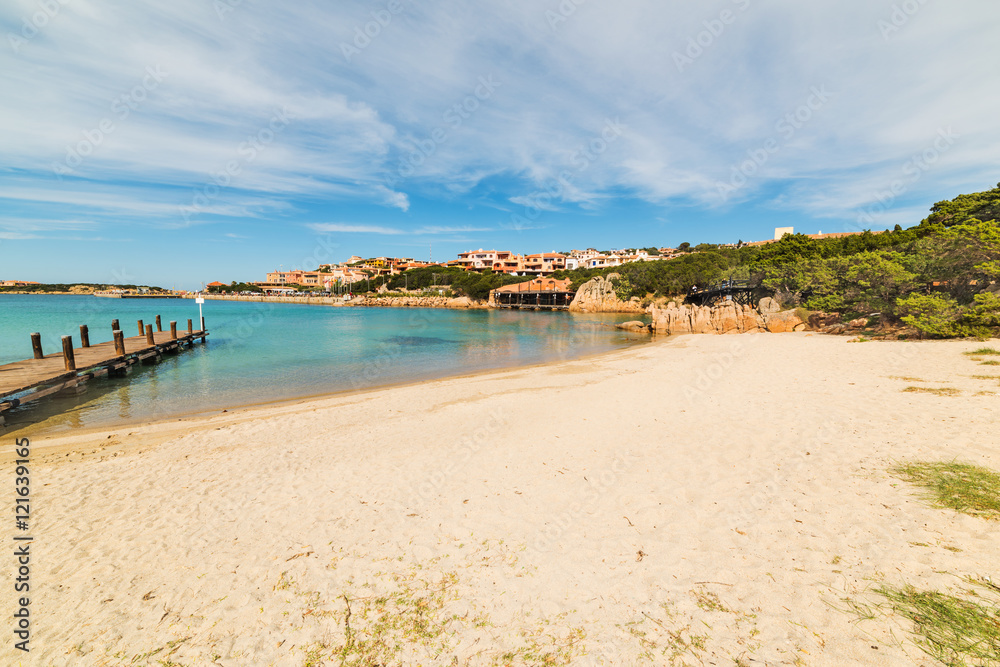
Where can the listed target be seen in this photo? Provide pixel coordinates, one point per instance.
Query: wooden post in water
(142, 329)
(173, 330)
(36, 345)
(159, 327)
(114, 326)
(68, 357)
(190, 327)
(203, 323)
(149, 335)
(84, 336)
(119, 342)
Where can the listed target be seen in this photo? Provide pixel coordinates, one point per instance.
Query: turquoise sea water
(260, 352)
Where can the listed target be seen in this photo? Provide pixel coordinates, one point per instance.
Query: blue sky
(184, 142)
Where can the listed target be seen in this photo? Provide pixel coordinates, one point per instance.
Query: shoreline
(728, 491)
(65, 440)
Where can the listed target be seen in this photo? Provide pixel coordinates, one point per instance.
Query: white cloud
(334, 227)
(410, 115)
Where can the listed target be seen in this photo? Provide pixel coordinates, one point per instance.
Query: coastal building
(480, 260)
(544, 263)
(540, 293)
(17, 283)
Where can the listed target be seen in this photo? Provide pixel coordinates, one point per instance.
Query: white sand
(628, 496)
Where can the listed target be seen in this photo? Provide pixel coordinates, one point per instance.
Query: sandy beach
(698, 500)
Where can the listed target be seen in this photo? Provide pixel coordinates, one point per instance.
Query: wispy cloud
(338, 228)
(80, 105)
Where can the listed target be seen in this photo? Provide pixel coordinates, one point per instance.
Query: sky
(179, 143)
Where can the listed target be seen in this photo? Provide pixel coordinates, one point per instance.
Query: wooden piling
(114, 326)
(142, 329)
(159, 327)
(202, 323)
(68, 358)
(119, 342)
(149, 335)
(173, 330)
(36, 345)
(190, 327)
(84, 336)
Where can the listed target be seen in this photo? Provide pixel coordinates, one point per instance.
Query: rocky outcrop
(634, 325)
(726, 318)
(820, 320)
(598, 296)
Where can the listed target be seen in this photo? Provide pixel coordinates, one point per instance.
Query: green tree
(933, 315)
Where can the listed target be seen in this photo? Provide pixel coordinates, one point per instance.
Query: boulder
(859, 323)
(459, 302)
(634, 325)
(821, 320)
(768, 305)
(597, 295)
(784, 321)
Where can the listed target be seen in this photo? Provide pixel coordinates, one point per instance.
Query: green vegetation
(984, 350)
(956, 630)
(65, 287)
(471, 284)
(939, 277)
(234, 287)
(963, 487)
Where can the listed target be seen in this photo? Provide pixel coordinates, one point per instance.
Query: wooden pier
(70, 368)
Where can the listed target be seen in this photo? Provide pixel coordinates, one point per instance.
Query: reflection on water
(264, 352)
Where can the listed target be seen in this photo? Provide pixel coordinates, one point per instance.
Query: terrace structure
(537, 294)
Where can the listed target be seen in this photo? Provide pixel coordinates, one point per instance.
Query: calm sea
(268, 352)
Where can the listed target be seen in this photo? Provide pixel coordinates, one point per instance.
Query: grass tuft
(956, 631)
(937, 391)
(989, 363)
(963, 487)
(984, 350)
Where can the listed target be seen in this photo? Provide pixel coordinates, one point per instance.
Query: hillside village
(357, 269)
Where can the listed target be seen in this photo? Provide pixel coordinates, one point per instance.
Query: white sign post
(201, 318)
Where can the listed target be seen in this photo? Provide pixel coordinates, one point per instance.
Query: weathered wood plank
(29, 374)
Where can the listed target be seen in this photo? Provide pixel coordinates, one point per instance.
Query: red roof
(216, 284)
